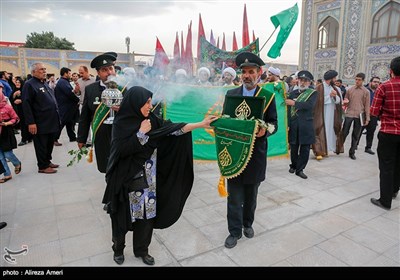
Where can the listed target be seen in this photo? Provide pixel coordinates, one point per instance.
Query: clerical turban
(205, 69)
(229, 70)
(330, 74)
(274, 71)
(180, 72)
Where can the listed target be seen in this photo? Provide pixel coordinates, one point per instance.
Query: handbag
(138, 182)
(8, 142)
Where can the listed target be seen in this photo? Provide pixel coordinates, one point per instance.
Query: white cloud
(103, 25)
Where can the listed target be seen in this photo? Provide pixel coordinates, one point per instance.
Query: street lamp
(127, 42)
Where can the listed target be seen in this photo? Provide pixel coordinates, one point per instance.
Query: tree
(47, 40)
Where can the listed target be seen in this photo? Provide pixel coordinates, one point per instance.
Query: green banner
(234, 140)
(219, 59)
(185, 103)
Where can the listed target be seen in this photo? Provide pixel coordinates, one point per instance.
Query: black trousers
(299, 155)
(371, 127)
(242, 203)
(389, 166)
(43, 144)
(142, 234)
(355, 135)
(70, 126)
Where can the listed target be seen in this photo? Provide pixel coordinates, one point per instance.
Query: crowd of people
(147, 186)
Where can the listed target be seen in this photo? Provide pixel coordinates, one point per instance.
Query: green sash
(303, 97)
(100, 115)
(269, 96)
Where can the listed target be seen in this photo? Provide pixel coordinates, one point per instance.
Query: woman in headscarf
(8, 142)
(148, 166)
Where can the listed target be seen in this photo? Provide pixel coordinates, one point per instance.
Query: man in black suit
(68, 104)
(301, 123)
(104, 65)
(242, 190)
(42, 117)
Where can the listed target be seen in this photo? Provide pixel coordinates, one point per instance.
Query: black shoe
(231, 241)
(352, 156)
(248, 232)
(301, 175)
(379, 204)
(88, 145)
(369, 151)
(149, 260)
(22, 143)
(395, 194)
(119, 259)
(292, 170)
(3, 225)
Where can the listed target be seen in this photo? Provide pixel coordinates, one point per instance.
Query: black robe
(174, 178)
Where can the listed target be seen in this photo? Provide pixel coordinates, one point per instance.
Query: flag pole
(267, 40)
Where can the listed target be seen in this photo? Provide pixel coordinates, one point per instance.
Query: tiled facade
(355, 52)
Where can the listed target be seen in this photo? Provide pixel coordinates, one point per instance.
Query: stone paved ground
(326, 220)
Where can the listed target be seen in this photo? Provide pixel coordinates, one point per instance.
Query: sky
(103, 25)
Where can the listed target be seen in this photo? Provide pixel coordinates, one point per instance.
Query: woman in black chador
(149, 173)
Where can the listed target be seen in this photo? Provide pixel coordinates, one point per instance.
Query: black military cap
(102, 60)
(304, 74)
(330, 74)
(112, 53)
(248, 59)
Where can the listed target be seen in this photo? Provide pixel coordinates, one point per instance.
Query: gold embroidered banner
(234, 141)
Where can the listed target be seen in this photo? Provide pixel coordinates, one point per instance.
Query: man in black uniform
(243, 190)
(42, 117)
(104, 65)
(300, 123)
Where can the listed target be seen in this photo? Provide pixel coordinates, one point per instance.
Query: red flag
(177, 53)
(245, 31)
(188, 52)
(161, 59)
(212, 39)
(234, 44)
(254, 36)
(201, 34)
(182, 47)
(218, 42)
(223, 43)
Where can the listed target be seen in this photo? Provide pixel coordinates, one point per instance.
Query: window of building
(328, 33)
(386, 24)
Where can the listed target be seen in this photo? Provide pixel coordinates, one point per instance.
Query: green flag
(286, 19)
(189, 103)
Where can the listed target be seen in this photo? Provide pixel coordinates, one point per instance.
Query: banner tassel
(221, 187)
(90, 155)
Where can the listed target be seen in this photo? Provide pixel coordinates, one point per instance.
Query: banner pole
(267, 41)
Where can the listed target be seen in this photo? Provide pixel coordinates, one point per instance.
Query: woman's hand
(16, 94)
(145, 126)
(207, 120)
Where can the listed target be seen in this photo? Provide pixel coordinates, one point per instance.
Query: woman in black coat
(149, 174)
